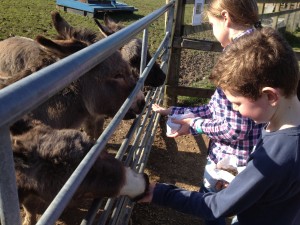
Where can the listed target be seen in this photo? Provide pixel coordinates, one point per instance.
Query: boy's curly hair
(261, 59)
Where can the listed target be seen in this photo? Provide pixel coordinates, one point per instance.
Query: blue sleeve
(238, 196)
(181, 200)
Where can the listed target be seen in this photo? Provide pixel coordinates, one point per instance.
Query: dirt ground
(178, 161)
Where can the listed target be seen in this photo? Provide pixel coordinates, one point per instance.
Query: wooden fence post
(297, 17)
(275, 18)
(287, 16)
(261, 9)
(175, 56)
(290, 24)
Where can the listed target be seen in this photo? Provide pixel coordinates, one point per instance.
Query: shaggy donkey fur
(45, 158)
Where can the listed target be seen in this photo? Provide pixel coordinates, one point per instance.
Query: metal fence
(23, 96)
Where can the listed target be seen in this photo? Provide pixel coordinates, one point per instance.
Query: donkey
(131, 52)
(45, 158)
(84, 103)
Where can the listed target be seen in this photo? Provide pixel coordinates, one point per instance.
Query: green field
(30, 18)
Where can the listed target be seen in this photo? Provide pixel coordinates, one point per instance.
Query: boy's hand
(184, 129)
(149, 195)
(161, 110)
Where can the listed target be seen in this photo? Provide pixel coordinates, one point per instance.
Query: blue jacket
(267, 192)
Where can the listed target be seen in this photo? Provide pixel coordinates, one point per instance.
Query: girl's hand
(161, 110)
(184, 129)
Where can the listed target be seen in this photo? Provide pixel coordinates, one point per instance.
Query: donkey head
(111, 80)
(132, 51)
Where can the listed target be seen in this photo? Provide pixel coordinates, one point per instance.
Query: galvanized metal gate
(18, 99)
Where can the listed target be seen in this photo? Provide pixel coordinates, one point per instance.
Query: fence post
(293, 27)
(175, 55)
(261, 8)
(169, 24)
(297, 17)
(287, 16)
(275, 18)
(291, 21)
(9, 202)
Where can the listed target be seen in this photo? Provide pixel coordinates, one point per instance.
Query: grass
(30, 18)
(294, 39)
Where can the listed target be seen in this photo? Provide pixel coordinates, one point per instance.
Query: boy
(259, 75)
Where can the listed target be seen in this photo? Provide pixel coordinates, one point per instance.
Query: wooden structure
(92, 7)
(279, 14)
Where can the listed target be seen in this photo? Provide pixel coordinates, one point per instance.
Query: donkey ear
(112, 24)
(62, 27)
(105, 31)
(109, 21)
(61, 48)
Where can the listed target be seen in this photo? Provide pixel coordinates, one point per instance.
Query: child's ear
(226, 18)
(272, 95)
(225, 15)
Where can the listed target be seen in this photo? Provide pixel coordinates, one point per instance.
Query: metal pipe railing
(64, 196)
(136, 128)
(19, 99)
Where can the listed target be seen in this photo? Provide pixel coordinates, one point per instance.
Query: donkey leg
(32, 206)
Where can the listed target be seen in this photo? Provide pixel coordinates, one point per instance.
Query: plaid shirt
(229, 132)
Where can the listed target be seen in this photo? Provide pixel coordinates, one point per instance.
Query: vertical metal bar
(9, 203)
(144, 50)
(91, 214)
